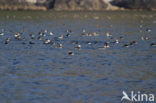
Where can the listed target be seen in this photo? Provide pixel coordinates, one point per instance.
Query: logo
(137, 97)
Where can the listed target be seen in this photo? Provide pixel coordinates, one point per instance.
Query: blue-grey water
(44, 73)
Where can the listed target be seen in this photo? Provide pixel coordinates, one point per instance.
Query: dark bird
(126, 45)
(18, 36)
(133, 42)
(59, 45)
(39, 38)
(148, 30)
(42, 34)
(48, 41)
(7, 40)
(32, 36)
(70, 53)
(30, 42)
(78, 47)
(153, 44)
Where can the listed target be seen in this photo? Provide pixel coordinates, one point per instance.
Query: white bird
(60, 46)
(45, 30)
(1, 34)
(95, 34)
(83, 30)
(78, 47)
(51, 33)
(117, 41)
(108, 34)
(144, 38)
(47, 41)
(60, 37)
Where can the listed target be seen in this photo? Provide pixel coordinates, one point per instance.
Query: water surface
(44, 73)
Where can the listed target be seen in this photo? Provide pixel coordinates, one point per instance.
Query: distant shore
(43, 8)
(22, 7)
(74, 5)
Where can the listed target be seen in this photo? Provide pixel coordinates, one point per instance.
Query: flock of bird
(41, 34)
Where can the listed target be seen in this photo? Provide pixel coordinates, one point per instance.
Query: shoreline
(78, 5)
(22, 7)
(43, 8)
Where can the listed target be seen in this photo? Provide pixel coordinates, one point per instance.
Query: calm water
(44, 73)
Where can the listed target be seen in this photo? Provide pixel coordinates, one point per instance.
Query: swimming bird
(17, 36)
(39, 38)
(144, 38)
(78, 47)
(148, 30)
(69, 31)
(108, 34)
(133, 42)
(24, 38)
(89, 43)
(153, 44)
(70, 53)
(47, 41)
(7, 40)
(121, 37)
(83, 30)
(45, 30)
(30, 42)
(1, 34)
(51, 33)
(83, 33)
(88, 34)
(95, 34)
(60, 37)
(59, 45)
(68, 34)
(126, 45)
(106, 45)
(74, 42)
(116, 41)
(32, 36)
(140, 26)
(42, 34)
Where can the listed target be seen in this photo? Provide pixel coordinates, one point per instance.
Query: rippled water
(44, 73)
